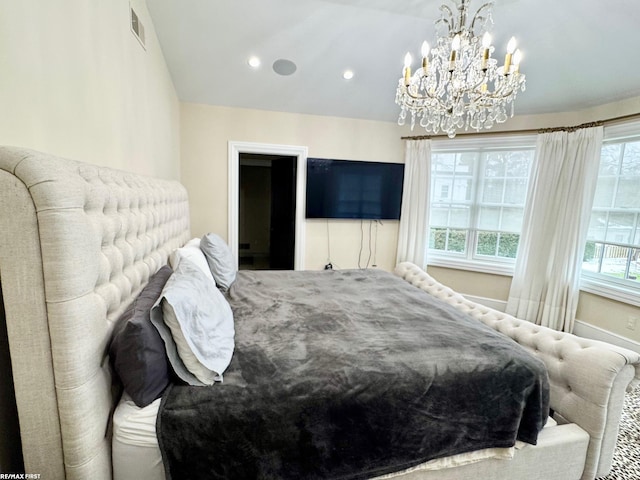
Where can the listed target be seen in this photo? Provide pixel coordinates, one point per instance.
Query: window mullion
(477, 190)
(601, 257)
(617, 182)
(628, 266)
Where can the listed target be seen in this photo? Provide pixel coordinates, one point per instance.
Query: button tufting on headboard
(93, 237)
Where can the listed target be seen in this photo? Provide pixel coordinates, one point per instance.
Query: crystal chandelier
(459, 85)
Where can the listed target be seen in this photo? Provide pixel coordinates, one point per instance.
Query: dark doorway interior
(267, 212)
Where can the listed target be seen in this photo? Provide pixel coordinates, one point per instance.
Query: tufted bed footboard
(588, 378)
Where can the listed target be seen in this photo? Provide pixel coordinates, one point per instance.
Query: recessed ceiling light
(347, 75)
(254, 62)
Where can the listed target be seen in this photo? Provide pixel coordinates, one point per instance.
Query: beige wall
(593, 309)
(478, 284)
(608, 314)
(206, 131)
(75, 82)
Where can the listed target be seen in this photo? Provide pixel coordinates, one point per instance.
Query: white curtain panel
(545, 284)
(413, 235)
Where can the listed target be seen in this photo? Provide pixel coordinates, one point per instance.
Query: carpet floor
(626, 457)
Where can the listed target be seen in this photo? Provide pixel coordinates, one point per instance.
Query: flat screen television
(354, 189)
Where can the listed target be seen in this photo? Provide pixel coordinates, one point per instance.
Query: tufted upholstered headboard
(77, 244)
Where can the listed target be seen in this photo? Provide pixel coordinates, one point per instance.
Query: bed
(80, 242)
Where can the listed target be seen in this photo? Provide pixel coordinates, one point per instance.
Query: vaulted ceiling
(577, 53)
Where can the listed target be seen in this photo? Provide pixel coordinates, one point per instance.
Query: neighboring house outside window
(611, 263)
(478, 193)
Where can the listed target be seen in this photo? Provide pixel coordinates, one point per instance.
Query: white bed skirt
(136, 455)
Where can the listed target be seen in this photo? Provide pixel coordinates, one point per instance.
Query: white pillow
(192, 251)
(220, 260)
(191, 362)
(196, 324)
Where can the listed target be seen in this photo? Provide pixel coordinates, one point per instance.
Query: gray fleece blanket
(349, 375)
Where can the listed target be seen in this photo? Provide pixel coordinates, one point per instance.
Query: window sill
(618, 293)
(495, 268)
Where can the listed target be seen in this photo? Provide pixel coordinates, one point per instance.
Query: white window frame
(468, 261)
(601, 284)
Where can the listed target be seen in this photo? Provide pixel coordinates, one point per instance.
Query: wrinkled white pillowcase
(196, 323)
(191, 250)
(220, 260)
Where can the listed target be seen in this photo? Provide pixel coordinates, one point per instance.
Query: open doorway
(267, 211)
(297, 152)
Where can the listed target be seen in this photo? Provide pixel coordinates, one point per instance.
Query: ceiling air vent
(137, 28)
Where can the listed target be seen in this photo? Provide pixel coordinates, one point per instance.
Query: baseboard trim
(499, 305)
(586, 330)
(581, 328)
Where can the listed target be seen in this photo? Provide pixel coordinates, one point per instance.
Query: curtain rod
(531, 130)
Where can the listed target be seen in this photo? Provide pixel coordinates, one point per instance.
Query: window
(477, 201)
(612, 251)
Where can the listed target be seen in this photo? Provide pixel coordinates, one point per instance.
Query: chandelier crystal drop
(459, 84)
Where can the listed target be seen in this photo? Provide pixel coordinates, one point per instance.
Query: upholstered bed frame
(77, 244)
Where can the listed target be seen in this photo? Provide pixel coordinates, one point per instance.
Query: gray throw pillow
(136, 350)
(220, 259)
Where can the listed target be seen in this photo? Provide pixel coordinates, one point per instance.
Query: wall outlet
(632, 322)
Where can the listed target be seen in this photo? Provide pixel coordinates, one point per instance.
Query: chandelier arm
(479, 17)
(435, 98)
(495, 95)
(450, 21)
(462, 21)
(473, 87)
(443, 106)
(444, 21)
(447, 9)
(486, 95)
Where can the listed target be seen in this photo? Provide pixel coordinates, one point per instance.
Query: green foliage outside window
(438, 238)
(508, 247)
(494, 244)
(589, 251)
(487, 243)
(457, 241)
(448, 240)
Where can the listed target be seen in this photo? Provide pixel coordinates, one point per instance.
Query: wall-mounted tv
(354, 189)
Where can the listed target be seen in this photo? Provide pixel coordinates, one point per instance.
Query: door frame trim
(234, 151)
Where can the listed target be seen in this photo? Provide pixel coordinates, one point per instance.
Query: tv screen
(354, 189)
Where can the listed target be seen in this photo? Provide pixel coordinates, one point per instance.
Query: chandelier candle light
(460, 85)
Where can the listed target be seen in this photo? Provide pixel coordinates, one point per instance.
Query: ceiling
(577, 53)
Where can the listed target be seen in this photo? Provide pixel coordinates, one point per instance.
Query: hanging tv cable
(329, 265)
